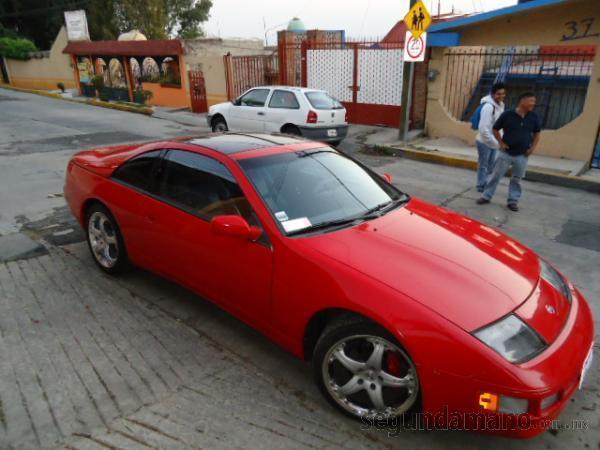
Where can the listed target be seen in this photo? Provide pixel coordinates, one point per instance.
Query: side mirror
(236, 102)
(387, 177)
(234, 226)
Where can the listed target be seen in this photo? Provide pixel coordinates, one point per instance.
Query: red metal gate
(245, 72)
(198, 92)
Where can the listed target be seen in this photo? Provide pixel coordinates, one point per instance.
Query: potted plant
(63, 91)
(98, 83)
(141, 96)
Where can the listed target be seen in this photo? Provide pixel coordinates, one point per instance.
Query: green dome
(296, 25)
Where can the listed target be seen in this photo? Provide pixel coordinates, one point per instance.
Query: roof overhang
(492, 15)
(125, 48)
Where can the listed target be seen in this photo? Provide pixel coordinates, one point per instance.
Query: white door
(283, 107)
(248, 112)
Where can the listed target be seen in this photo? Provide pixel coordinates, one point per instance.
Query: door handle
(261, 113)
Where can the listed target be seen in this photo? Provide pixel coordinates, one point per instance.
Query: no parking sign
(414, 48)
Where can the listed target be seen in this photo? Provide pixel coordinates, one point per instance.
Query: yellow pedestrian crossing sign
(418, 19)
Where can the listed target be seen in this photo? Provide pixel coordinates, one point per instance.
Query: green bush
(141, 96)
(61, 86)
(16, 48)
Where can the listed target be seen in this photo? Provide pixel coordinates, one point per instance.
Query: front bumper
(554, 374)
(209, 120)
(325, 134)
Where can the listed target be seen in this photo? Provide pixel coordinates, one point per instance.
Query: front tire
(364, 372)
(105, 240)
(219, 125)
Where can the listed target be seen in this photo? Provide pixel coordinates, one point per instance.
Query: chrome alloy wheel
(103, 239)
(370, 376)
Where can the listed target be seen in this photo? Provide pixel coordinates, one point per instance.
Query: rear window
(322, 100)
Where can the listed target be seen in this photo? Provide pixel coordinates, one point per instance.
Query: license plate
(332, 133)
(586, 365)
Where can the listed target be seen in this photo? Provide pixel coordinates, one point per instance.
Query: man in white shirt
(487, 145)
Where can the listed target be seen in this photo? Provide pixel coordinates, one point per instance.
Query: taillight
(311, 117)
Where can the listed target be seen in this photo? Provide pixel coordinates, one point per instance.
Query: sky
(360, 18)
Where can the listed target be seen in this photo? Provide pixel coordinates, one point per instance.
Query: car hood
(466, 271)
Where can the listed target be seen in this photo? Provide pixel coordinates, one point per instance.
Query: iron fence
(245, 72)
(559, 77)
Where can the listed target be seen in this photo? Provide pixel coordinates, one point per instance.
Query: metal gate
(245, 72)
(198, 92)
(365, 77)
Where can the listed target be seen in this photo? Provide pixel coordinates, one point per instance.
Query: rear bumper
(322, 134)
(547, 383)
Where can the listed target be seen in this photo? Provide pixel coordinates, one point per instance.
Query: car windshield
(322, 100)
(319, 189)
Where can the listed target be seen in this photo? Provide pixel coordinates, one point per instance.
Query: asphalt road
(93, 362)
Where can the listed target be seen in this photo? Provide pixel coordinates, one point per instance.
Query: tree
(149, 16)
(102, 21)
(40, 20)
(185, 17)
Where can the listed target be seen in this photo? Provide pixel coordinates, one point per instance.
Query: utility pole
(408, 70)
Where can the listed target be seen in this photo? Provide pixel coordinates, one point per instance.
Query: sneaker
(482, 201)
(513, 207)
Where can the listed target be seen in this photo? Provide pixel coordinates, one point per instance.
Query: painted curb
(542, 176)
(93, 102)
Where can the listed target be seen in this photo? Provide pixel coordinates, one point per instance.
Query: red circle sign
(415, 47)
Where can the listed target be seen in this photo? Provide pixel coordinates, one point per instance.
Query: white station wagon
(311, 113)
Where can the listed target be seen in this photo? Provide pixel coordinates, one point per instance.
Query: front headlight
(512, 338)
(550, 274)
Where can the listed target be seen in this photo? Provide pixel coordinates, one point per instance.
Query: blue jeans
(503, 163)
(485, 165)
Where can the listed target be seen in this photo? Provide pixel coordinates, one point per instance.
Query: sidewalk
(457, 153)
(182, 116)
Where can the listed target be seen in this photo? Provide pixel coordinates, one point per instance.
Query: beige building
(45, 69)
(206, 55)
(548, 46)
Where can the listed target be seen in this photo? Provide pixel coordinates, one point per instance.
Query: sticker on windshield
(296, 224)
(281, 216)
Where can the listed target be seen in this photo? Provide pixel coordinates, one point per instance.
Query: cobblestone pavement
(87, 361)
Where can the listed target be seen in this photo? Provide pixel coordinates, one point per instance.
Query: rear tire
(363, 371)
(219, 125)
(105, 240)
(292, 130)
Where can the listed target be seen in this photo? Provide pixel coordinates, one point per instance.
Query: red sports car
(401, 306)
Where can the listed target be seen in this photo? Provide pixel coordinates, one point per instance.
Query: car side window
(256, 97)
(139, 171)
(284, 100)
(203, 186)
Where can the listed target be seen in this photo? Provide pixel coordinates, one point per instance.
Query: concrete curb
(93, 102)
(533, 174)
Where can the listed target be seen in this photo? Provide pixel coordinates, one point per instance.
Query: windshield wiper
(376, 211)
(325, 224)
(368, 214)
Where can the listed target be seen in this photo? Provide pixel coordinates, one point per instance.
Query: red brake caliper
(394, 364)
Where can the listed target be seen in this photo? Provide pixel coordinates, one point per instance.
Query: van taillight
(311, 117)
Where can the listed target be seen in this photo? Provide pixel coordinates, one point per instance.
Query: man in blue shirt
(520, 135)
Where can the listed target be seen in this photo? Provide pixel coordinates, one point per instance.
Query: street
(93, 362)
